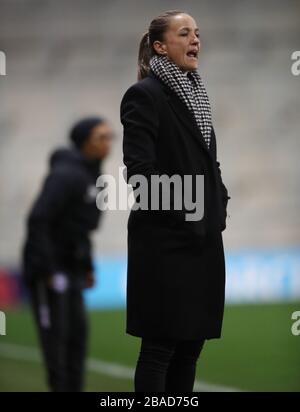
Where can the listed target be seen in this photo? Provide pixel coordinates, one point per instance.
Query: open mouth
(193, 54)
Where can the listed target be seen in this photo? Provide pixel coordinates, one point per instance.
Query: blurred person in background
(57, 255)
(176, 268)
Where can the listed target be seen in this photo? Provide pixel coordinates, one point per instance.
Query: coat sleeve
(39, 256)
(140, 120)
(224, 190)
(224, 196)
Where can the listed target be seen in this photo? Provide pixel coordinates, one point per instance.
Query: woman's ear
(159, 48)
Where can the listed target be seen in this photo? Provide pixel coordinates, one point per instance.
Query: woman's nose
(195, 40)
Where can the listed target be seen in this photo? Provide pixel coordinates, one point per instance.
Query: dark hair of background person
(81, 130)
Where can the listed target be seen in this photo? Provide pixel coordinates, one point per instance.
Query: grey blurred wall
(67, 59)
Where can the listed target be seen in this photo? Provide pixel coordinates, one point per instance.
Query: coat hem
(168, 336)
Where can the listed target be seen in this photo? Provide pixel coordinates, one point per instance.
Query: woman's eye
(183, 34)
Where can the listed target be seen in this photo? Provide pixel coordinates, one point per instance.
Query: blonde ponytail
(144, 56)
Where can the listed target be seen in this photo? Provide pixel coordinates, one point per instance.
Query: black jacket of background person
(62, 218)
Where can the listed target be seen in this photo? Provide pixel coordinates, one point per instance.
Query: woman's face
(181, 42)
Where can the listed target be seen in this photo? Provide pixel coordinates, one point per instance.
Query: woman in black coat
(176, 270)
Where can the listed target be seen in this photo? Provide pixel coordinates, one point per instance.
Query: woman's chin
(194, 65)
(190, 66)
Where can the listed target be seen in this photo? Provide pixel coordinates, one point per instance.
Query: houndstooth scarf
(190, 90)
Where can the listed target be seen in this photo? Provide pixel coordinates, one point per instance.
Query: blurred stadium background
(73, 58)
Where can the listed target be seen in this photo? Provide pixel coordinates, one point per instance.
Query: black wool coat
(176, 268)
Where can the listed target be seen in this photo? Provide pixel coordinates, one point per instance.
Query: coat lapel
(183, 114)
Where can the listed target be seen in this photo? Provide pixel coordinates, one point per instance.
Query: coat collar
(182, 112)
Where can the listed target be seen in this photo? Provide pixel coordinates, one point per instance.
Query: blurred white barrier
(252, 277)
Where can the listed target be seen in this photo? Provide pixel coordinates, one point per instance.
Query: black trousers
(167, 365)
(62, 326)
